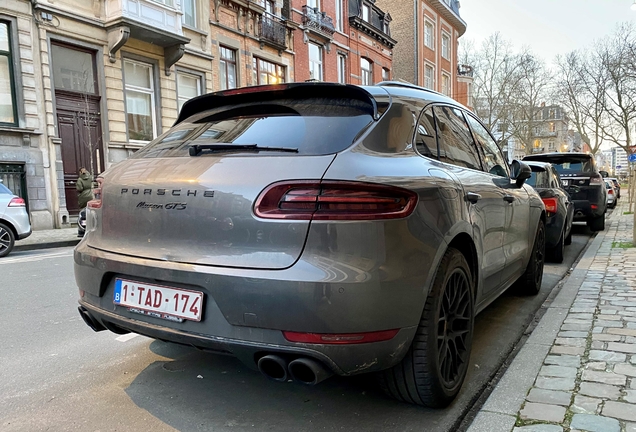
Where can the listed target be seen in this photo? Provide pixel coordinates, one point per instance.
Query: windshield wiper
(196, 149)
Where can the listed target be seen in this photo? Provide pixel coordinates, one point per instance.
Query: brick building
(346, 41)
(426, 55)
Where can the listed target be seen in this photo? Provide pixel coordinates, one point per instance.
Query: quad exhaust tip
(273, 367)
(308, 371)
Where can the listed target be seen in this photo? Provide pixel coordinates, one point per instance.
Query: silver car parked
(314, 229)
(14, 220)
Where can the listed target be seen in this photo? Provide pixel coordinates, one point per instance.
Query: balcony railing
(272, 31)
(318, 21)
(146, 12)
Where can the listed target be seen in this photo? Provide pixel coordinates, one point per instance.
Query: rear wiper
(196, 149)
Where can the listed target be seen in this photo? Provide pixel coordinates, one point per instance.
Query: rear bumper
(583, 210)
(246, 310)
(341, 359)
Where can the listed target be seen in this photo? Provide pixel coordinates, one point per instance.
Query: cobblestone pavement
(588, 379)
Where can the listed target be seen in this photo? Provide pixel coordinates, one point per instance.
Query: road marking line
(126, 337)
(32, 258)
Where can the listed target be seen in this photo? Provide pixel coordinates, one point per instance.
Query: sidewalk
(44, 239)
(577, 370)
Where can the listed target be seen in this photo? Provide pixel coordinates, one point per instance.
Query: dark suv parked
(314, 229)
(583, 181)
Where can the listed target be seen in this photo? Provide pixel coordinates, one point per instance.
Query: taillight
(610, 191)
(596, 180)
(334, 200)
(340, 339)
(96, 202)
(17, 202)
(551, 204)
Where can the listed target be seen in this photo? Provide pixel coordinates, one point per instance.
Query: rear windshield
(539, 179)
(4, 190)
(313, 126)
(573, 165)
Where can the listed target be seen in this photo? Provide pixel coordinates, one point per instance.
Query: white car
(612, 197)
(14, 220)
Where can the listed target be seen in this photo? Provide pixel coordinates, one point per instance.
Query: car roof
(558, 154)
(402, 89)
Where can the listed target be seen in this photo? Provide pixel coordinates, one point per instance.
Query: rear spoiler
(274, 92)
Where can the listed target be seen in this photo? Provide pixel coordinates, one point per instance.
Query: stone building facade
(426, 55)
(86, 83)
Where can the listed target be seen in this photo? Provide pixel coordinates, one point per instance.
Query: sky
(548, 27)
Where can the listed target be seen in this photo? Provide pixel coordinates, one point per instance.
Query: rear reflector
(334, 200)
(17, 202)
(340, 339)
(593, 206)
(551, 204)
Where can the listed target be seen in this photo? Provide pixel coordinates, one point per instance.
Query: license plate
(174, 304)
(565, 182)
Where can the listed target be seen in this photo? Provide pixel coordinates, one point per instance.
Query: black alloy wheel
(530, 282)
(7, 240)
(433, 370)
(453, 328)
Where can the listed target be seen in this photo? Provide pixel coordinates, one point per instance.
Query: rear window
(313, 126)
(572, 165)
(539, 179)
(5, 190)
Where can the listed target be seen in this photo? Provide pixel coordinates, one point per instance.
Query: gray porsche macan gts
(314, 229)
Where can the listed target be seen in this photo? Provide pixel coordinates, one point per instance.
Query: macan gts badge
(313, 229)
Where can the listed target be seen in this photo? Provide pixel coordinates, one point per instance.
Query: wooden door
(79, 128)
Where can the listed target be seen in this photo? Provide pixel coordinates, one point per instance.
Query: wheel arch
(464, 243)
(10, 226)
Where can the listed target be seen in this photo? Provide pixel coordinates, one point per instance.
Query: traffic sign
(619, 167)
(632, 158)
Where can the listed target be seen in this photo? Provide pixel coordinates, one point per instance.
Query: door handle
(509, 199)
(473, 197)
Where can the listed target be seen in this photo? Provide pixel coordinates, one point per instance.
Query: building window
(267, 72)
(165, 2)
(227, 63)
(429, 39)
(342, 69)
(367, 71)
(470, 94)
(386, 74)
(446, 46)
(366, 12)
(446, 85)
(339, 23)
(8, 106)
(189, 16)
(429, 80)
(140, 100)
(552, 113)
(552, 127)
(313, 4)
(188, 86)
(315, 61)
(270, 7)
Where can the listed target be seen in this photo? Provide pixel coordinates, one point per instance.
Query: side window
(456, 144)
(493, 159)
(425, 142)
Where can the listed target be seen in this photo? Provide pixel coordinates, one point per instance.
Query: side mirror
(604, 174)
(520, 172)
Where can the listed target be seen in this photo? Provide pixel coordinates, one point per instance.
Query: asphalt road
(57, 375)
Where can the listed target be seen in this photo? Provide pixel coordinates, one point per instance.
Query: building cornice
(449, 14)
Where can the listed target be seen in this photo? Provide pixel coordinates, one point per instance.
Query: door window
(455, 140)
(493, 159)
(73, 70)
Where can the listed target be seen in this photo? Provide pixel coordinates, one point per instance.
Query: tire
(597, 224)
(568, 239)
(557, 252)
(7, 240)
(424, 377)
(530, 282)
